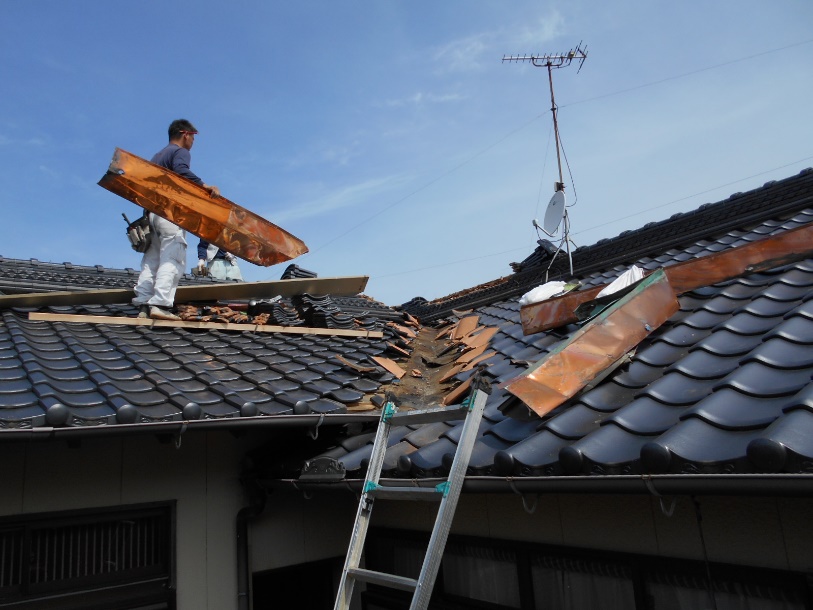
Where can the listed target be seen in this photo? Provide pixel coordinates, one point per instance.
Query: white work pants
(221, 269)
(162, 265)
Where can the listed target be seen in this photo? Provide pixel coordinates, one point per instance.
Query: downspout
(257, 498)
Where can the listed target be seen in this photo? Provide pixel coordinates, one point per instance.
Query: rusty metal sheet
(191, 207)
(600, 343)
(775, 251)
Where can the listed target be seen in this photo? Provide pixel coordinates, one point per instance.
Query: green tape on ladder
(389, 411)
(443, 488)
(370, 486)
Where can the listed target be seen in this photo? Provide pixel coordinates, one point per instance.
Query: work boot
(144, 311)
(158, 313)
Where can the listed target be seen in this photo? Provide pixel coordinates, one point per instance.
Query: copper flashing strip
(775, 251)
(190, 206)
(574, 363)
(257, 328)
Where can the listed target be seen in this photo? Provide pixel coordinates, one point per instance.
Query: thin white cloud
(420, 98)
(346, 197)
(472, 53)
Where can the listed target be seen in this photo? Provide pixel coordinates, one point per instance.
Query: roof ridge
(738, 211)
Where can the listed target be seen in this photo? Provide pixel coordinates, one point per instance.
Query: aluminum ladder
(446, 493)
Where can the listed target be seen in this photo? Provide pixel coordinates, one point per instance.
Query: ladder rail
(443, 521)
(365, 507)
(447, 493)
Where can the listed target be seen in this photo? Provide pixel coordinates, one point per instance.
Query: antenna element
(557, 210)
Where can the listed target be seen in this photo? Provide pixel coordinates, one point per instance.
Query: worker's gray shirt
(176, 159)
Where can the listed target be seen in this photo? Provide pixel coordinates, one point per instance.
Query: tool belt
(139, 232)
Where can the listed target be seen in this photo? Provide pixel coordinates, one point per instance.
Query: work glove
(230, 258)
(201, 268)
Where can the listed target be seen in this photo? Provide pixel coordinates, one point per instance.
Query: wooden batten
(257, 328)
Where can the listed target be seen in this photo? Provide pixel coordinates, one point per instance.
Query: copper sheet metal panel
(600, 343)
(191, 207)
(768, 253)
(337, 286)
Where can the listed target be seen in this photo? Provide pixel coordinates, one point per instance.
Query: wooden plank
(769, 253)
(258, 328)
(191, 207)
(336, 286)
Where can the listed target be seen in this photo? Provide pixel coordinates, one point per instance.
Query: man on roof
(164, 261)
(216, 262)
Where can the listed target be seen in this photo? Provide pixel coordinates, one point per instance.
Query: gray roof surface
(723, 387)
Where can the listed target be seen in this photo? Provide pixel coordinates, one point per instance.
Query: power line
(685, 74)
(537, 117)
(663, 205)
(656, 207)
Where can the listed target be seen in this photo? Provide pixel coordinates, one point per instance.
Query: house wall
(759, 531)
(201, 476)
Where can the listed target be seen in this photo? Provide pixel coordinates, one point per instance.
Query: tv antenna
(556, 213)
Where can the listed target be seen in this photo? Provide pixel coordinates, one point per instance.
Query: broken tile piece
(390, 366)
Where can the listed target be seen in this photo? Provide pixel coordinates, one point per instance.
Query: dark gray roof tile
(701, 364)
(758, 379)
(695, 446)
(575, 422)
(427, 461)
(785, 446)
(731, 410)
(661, 353)
(779, 353)
(724, 342)
(513, 430)
(609, 450)
(796, 328)
(684, 335)
(608, 396)
(768, 308)
(675, 388)
(537, 455)
(638, 375)
(646, 416)
(746, 323)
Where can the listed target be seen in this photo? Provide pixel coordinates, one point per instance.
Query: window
(101, 555)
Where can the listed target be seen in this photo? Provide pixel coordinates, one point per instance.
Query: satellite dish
(554, 213)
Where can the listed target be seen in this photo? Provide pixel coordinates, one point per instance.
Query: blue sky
(388, 135)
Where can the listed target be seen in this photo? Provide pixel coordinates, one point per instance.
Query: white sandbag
(629, 277)
(541, 293)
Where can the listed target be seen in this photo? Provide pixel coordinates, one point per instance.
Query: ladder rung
(428, 416)
(406, 493)
(385, 580)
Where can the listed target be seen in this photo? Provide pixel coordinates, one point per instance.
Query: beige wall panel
(224, 499)
(277, 536)
(61, 478)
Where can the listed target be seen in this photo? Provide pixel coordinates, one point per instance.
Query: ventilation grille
(56, 555)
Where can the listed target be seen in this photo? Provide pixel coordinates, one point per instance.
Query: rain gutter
(178, 428)
(655, 484)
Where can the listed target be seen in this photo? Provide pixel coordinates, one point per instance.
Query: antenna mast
(557, 209)
(551, 62)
